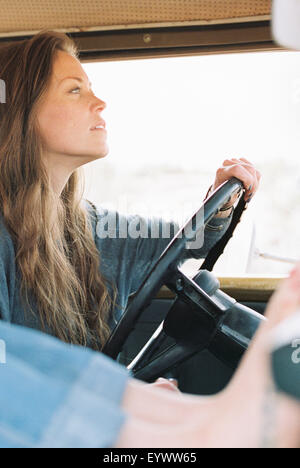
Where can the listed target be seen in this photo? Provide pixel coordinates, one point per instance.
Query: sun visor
(286, 23)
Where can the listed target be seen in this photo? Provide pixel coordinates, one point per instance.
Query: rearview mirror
(286, 23)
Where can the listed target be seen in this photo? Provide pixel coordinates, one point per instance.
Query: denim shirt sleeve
(7, 273)
(129, 245)
(57, 395)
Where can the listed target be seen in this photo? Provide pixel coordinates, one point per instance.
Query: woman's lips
(98, 129)
(102, 123)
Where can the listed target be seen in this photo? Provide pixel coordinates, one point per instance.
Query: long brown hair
(56, 254)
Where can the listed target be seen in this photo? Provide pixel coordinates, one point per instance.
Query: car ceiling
(116, 29)
(85, 15)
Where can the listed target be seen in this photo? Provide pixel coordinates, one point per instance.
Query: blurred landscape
(175, 193)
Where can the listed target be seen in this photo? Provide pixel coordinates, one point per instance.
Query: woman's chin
(99, 155)
(105, 152)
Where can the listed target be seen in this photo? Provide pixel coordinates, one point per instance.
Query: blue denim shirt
(123, 260)
(58, 395)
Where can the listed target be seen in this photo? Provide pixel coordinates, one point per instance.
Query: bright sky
(195, 111)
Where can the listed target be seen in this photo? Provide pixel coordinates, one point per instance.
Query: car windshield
(171, 123)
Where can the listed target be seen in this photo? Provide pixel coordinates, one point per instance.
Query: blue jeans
(57, 395)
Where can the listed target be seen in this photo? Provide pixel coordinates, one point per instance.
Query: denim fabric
(57, 395)
(127, 260)
(124, 261)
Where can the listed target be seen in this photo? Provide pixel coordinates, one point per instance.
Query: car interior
(194, 329)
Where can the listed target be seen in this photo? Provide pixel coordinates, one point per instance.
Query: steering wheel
(201, 316)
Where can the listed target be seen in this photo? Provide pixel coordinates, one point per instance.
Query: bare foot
(166, 384)
(258, 415)
(249, 413)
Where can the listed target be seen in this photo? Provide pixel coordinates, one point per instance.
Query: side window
(171, 123)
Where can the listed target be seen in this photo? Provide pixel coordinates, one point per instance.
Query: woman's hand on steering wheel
(243, 170)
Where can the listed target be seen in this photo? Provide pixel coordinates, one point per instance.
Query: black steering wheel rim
(165, 264)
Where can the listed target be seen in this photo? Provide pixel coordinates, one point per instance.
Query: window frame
(170, 41)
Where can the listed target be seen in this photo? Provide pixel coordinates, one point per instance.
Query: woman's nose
(100, 104)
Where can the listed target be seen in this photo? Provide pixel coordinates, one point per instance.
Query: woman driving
(58, 272)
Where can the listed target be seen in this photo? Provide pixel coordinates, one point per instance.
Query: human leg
(243, 415)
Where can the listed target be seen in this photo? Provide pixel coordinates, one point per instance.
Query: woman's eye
(75, 89)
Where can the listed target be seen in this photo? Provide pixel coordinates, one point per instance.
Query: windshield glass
(171, 123)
